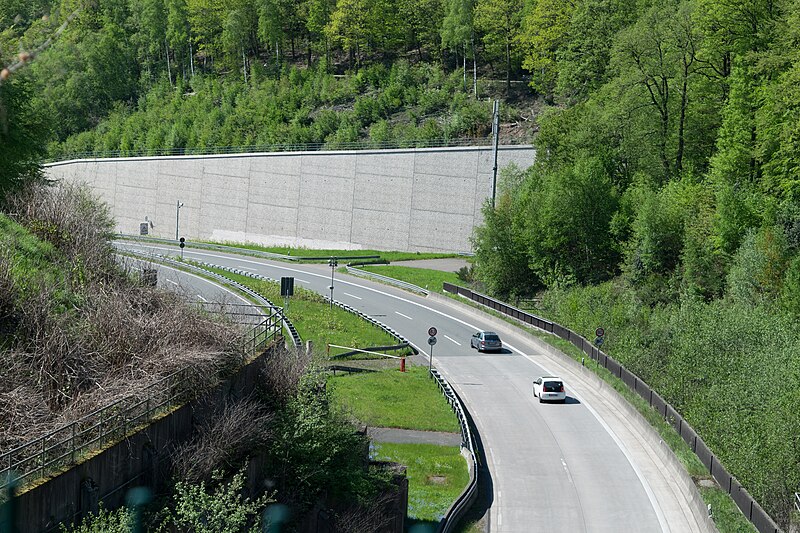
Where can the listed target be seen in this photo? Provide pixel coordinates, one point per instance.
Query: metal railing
(297, 342)
(751, 509)
(65, 446)
(467, 497)
(391, 281)
(287, 147)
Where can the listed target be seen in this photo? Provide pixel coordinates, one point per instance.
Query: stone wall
(406, 199)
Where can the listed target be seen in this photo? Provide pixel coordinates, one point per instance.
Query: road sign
(431, 340)
(183, 242)
(599, 332)
(143, 229)
(287, 286)
(432, 331)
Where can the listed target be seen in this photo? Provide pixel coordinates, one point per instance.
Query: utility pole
(496, 134)
(333, 262)
(178, 218)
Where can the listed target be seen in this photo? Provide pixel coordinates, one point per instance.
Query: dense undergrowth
(731, 369)
(403, 105)
(78, 331)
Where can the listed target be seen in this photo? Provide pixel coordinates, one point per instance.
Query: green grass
(436, 476)
(317, 322)
(310, 252)
(391, 398)
(421, 277)
(727, 516)
(31, 260)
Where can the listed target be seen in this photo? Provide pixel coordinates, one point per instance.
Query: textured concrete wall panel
(425, 199)
(225, 202)
(383, 193)
(432, 231)
(324, 225)
(381, 229)
(454, 195)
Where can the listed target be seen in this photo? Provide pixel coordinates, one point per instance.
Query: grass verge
(310, 252)
(436, 477)
(316, 321)
(421, 277)
(390, 398)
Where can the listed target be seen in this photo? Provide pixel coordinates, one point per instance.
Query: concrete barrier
(426, 199)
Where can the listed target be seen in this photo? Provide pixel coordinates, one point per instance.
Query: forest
(664, 204)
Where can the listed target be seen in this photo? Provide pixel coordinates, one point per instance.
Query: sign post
(431, 342)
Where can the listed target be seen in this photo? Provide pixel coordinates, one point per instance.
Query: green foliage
(390, 398)
(436, 476)
(757, 271)
(729, 368)
(316, 450)
(219, 509)
(105, 521)
(22, 136)
(306, 106)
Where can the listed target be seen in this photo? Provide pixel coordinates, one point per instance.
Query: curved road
(576, 467)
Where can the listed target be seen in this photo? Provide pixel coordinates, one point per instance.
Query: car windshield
(552, 386)
(491, 338)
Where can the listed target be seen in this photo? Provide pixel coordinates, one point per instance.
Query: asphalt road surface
(573, 467)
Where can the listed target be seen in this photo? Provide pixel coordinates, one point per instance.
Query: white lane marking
(201, 297)
(624, 449)
(402, 315)
(499, 513)
(452, 340)
(352, 296)
(173, 282)
(645, 485)
(302, 280)
(569, 476)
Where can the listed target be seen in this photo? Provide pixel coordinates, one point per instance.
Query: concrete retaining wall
(426, 199)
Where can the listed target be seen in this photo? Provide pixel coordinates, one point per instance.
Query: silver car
(486, 341)
(549, 388)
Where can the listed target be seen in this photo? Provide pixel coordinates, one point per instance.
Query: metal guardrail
(797, 501)
(391, 281)
(65, 446)
(297, 342)
(287, 147)
(465, 500)
(746, 503)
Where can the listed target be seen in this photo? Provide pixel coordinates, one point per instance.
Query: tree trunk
(682, 120)
(474, 68)
(191, 59)
(465, 67)
(508, 65)
(169, 70)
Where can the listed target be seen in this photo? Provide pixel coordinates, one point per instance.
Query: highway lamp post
(178, 218)
(333, 262)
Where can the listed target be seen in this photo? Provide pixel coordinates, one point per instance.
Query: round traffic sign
(432, 331)
(431, 340)
(599, 332)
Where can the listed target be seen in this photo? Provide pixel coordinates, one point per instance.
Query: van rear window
(552, 386)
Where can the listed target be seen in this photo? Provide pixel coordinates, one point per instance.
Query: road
(576, 467)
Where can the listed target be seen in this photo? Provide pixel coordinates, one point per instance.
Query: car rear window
(552, 386)
(492, 338)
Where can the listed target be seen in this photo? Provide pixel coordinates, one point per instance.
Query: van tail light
(562, 388)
